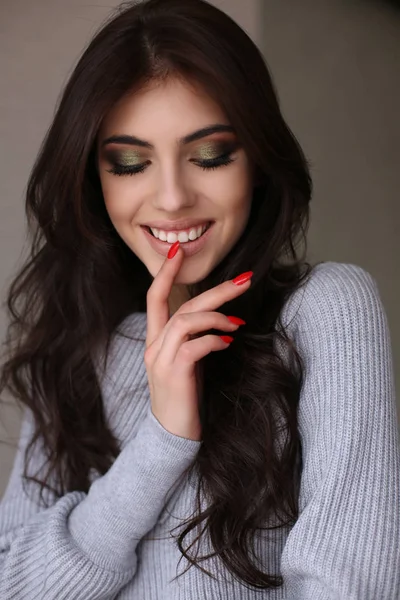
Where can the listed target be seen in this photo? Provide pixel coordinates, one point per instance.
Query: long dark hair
(81, 280)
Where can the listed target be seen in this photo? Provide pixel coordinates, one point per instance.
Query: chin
(187, 274)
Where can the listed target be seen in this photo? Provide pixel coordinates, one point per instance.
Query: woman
(157, 459)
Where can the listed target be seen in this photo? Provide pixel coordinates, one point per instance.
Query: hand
(171, 355)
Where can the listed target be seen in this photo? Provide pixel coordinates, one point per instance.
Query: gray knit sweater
(345, 544)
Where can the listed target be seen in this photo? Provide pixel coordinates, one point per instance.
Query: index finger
(219, 295)
(157, 296)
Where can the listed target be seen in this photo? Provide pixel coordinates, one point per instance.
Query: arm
(346, 543)
(83, 546)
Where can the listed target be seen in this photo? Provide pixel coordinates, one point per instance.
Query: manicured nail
(236, 320)
(173, 250)
(242, 278)
(227, 338)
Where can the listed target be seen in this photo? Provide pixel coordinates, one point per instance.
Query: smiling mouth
(151, 233)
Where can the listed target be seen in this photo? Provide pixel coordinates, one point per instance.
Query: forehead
(172, 107)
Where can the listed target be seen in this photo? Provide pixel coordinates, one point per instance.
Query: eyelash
(221, 161)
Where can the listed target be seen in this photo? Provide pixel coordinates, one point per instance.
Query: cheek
(118, 197)
(230, 188)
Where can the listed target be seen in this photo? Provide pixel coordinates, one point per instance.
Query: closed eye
(215, 163)
(128, 170)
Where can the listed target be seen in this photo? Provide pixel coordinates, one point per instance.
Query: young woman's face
(206, 177)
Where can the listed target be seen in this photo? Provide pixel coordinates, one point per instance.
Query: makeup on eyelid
(205, 152)
(211, 151)
(125, 157)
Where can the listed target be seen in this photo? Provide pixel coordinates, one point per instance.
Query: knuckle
(185, 355)
(159, 371)
(181, 321)
(188, 306)
(149, 353)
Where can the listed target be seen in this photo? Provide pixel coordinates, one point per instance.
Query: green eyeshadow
(126, 158)
(212, 150)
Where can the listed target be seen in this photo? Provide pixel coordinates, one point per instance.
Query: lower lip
(189, 248)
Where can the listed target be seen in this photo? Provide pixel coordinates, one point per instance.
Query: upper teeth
(182, 236)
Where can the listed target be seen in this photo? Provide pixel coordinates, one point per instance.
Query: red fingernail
(236, 320)
(242, 278)
(227, 338)
(173, 250)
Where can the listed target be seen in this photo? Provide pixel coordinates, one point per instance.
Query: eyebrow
(197, 135)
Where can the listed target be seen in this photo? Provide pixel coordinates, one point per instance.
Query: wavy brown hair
(81, 280)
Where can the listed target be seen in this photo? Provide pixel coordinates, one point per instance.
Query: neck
(177, 297)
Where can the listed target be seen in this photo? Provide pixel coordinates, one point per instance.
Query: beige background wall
(335, 65)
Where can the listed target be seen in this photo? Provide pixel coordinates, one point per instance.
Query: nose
(173, 192)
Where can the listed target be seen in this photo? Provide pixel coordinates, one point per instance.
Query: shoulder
(339, 327)
(338, 281)
(334, 295)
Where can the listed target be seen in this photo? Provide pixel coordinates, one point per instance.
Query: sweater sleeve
(345, 543)
(83, 546)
